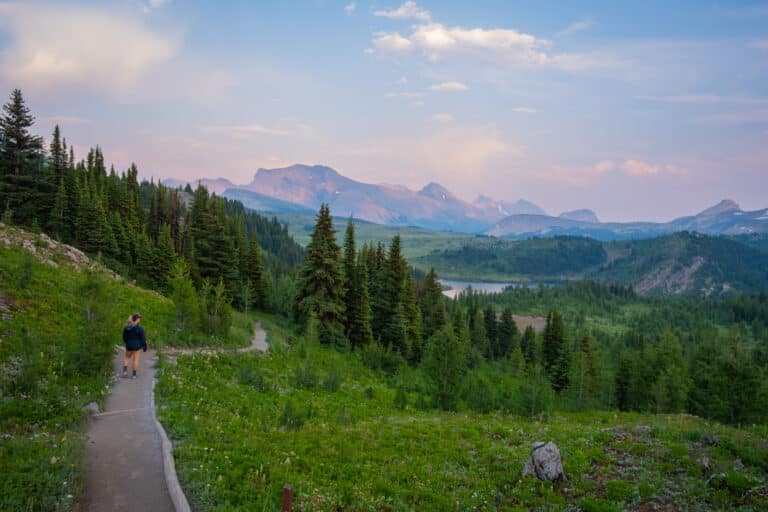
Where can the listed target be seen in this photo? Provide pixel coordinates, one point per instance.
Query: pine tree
(390, 316)
(508, 334)
(254, 271)
(432, 306)
(182, 293)
(553, 341)
(412, 320)
(24, 192)
(20, 148)
(444, 365)
(528, 345)
(491, 332)
(320, 289)
(58, 219)
(357, 322)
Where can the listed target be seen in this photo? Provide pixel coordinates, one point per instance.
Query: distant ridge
(301, 189)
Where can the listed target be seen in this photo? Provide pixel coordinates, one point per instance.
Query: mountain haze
(303, 188)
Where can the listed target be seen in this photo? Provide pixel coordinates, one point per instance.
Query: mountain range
(302, 189)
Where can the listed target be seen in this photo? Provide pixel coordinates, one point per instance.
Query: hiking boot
(133, 377)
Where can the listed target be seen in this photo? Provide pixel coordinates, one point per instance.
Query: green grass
(415, 241)
(53, 361)
(246, 424)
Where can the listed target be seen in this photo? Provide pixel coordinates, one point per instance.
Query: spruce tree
(357, 324)
(528, 345)
(491, 332)
(24, 192)
(20, 149)
(508, 334)
(432, 306)
(255, 275)
(445, 364)
(320, 289)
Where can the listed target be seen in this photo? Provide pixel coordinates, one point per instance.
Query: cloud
(404, 95)
(393, 42)
(435, 41)
(66, 120)
(443, 118)
(639, 168)
(635, 167)
(578, 26)
(605, 166)
(78, 47)
(403, 80)
(408, 11)
(674, 169)
(709, 99)
(350, 8)
(242, 131)
(760, 44)
(154, 4)
(752, 116)
(524, 110)
(449, 86)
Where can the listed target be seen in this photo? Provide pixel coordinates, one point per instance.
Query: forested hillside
(141, 229)
(678, 263)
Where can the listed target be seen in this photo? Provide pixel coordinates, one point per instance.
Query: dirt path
(127, 454)
(258, 342)
(123, 454)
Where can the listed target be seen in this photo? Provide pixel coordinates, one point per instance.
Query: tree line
(143, 229)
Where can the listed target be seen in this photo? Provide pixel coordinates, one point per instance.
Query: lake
(458, 286)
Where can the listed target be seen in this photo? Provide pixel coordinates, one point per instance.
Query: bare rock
(92, 408)
(713, 440)
(704, 464)
(545, 462)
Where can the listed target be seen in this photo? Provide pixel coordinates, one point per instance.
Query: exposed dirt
(668, 280)
(537, 322)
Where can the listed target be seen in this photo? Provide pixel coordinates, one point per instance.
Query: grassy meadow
(347, 439)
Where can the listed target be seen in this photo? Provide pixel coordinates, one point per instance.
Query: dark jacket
(133, 336)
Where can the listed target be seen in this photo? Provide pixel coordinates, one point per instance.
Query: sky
(638, 110)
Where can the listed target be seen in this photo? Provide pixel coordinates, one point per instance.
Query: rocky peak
(724, 206)
(583, 215)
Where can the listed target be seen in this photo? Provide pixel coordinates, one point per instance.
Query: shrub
(618, 490)
(291, 418)
(252, 375)
(306, 376)
(333, 380)
(590, 504)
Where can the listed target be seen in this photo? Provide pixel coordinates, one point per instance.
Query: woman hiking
(135, 340)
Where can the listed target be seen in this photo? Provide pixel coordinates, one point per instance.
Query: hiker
(135, 340)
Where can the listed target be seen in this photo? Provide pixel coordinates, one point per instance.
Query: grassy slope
(53, 362)
(682, 262)
(238, 442)
(415, 241)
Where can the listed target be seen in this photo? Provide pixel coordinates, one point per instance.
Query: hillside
(724, 218)
(677, 263)
(60, 318)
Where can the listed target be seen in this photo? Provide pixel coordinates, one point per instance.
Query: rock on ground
(545, 462)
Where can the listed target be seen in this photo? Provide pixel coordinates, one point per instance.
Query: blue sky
(638, 110)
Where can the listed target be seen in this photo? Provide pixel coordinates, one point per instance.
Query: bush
(306, 376)
(291, 419)
(618, 490)
(590, 504)
(333, 380)
(252, 375)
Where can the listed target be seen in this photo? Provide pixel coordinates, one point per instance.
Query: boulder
(545, 463)
(91, 408)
